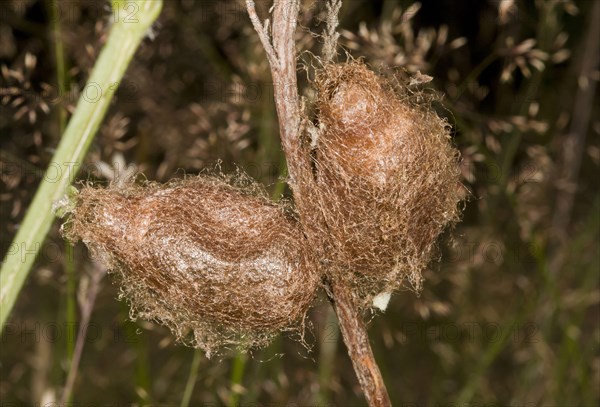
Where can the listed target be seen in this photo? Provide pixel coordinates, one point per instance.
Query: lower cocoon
(201, 256)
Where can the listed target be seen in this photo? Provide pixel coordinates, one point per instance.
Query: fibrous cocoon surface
(387, 180)
(201, 256)
(229, 266)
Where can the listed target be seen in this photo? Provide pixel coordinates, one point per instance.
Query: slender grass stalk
(192, 377)
(572, 351)
(127, 32)
(546, 32)
(143, 382)
(70, 313)
(328, 348)
(136, 339)
(237, 375)
(59, 56)
(269, 366)
(61, 79)
(86, 313)
(489, 355)
(474, 74)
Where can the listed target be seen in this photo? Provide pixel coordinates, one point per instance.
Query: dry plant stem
(331, 34)
(86, 312)
(281, 53)
(575, 141)
(354, 332)
(108, 71)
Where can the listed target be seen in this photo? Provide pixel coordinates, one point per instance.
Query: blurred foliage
(508, 317)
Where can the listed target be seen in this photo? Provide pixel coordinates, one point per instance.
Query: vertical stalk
(55, 39)
(192, 377)
(143, 385)
(86, 313)
(127, 32)
(61, 79)
(354, 332)
(70, 314)
(59, 57)
(328, 348)
(280, 48)
(237, 375)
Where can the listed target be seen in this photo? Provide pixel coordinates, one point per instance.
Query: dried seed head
(388, 179)
(200, 255)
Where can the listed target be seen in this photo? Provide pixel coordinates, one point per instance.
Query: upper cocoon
(387, 179)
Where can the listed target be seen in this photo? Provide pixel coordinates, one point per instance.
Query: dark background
(509, 316)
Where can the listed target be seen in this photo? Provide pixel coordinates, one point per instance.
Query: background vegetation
(508, 317)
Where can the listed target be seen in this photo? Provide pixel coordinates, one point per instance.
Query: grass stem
(237, 376)
(86, 313)
(124, 38)
(192, 377)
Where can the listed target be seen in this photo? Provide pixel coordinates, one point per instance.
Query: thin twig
(282, 58)
(354, 332)
(261, 30)
(109, 69)
(575, 141)
(281, 52)
(331, 34)
(192, 377)
(86, 312)
(285, 82)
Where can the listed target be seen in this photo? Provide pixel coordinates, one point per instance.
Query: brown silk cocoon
(200, 256)
(388, 180)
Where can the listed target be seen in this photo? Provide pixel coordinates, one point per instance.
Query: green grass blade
(237, 377)
(128, 30)
(192, 377)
